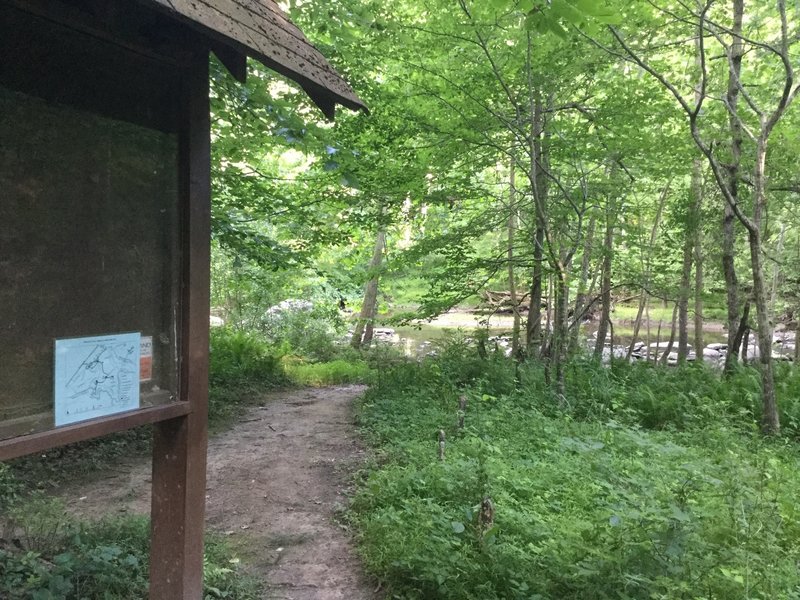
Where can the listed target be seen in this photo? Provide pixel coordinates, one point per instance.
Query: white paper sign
(96, 376)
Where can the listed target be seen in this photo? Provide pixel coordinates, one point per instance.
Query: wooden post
(179, 445)
(462, 410)
(441, 444)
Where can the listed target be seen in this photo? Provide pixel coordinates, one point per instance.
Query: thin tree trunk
(776, 272)
(369, 307)
(547, 336)
(683, 299)
(697, 212)
(583, 291)
(647, 270)
(729, 218)
(559, 338)
(538, 157)
(534, 324)
(770, 421)
(796, 360)
(512, 282)
(656, 354)
(743, 352)
(671, 343)
(741, 328)
(608, 256)
(647, 317)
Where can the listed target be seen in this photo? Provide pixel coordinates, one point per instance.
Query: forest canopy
(571, 154)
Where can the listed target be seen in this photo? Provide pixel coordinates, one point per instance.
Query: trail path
(275, 482)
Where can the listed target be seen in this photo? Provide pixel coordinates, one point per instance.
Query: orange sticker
(146, 359)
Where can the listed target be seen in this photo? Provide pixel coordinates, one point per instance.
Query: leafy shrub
(309, 329)
(461, 364)
(242, 365)
(242, 357)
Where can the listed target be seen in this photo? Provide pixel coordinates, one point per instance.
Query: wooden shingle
(258, 28)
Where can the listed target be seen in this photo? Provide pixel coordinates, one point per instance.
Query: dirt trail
(275, 482)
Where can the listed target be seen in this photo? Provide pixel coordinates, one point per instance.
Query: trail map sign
(96, 377)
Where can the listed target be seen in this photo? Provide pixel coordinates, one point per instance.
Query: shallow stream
(420, 339)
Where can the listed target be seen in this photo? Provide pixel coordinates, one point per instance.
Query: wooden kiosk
(105, 230)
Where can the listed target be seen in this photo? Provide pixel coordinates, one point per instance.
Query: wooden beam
(234, 61)
(179, 446)
(79, 432)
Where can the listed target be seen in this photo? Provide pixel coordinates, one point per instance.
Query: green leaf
(458, 526)
(598, 12)
(555, 27)
(567, 12)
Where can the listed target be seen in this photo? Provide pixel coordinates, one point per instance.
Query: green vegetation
(242, 366)
(328, 373)
(46, 555)
(639, 483)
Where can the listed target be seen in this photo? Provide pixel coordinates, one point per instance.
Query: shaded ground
(275, 482)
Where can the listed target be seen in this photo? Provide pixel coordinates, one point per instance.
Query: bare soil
(276, 481)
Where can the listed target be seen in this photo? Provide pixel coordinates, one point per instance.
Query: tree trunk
(741, 329)
(534, 323)
(547, 334)
(745, 344)
(697, 217)
(776, 272)
(643, 297)
(369, 307)
(608, 255)
(658, 342)
(559, 339)
(512, 282)
(647, 318)
(770, 420)
(665, 356)
(538, 157)
(728, 222)
(583, 283)
(683, 298)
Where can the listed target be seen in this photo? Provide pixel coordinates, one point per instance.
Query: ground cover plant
(640, 483)
(46, 555)
(335, 372)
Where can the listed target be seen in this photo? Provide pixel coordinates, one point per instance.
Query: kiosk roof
(258, 28)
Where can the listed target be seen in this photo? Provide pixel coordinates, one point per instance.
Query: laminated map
(96, 376)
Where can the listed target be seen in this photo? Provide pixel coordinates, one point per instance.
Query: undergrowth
(335, 372)
(45, 555)
(642, 484)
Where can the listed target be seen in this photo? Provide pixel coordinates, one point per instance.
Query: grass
(627, 312)
(336, 372)
(642, 483)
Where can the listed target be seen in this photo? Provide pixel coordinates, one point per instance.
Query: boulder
(659, 345)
